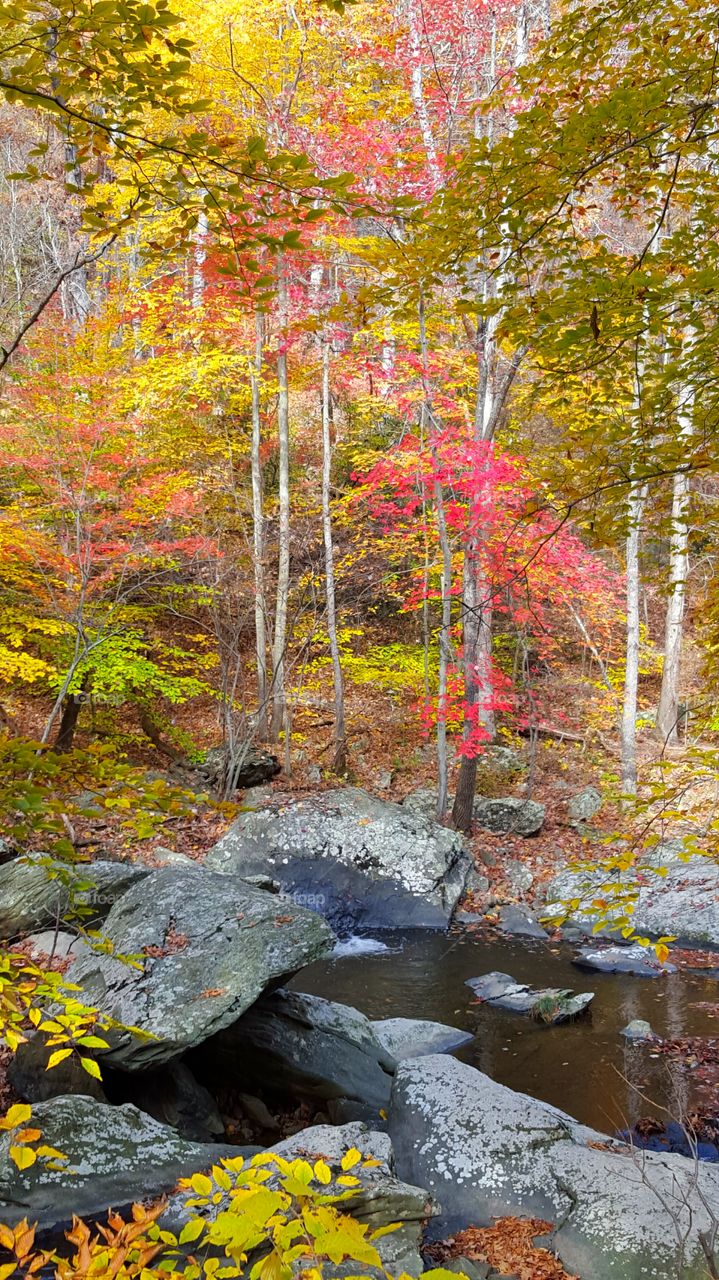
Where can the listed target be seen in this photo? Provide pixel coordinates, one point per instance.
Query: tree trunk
(279, 637)
(668, 709)
(637, 499)
(258, 534)
(339, 763)
(71, 709)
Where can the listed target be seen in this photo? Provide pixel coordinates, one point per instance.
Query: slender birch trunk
(258, 531)
(279, 636)
(445, 646)
(340, 754)
(668, 709)
(636, 504)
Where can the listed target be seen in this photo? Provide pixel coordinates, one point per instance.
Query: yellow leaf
(58, 1056)
(351, 1158)
(7, 1269)
(322, 1172)
(17, 1115)
(90, 1065)
(23, 1157)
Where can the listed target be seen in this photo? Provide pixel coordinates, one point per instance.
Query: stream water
(586, 1067)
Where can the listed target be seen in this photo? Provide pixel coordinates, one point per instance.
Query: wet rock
(484, 1151)
(31, 1080)
(551, 1005)
(639, 1030)
(683, 901)
(520, 923)
(415, 1037)
(212, 944)
(37, 891)
(640, 961)
(509, 815)
(584, 805)
(362, 862)
(308, 1047)
(114, 1156)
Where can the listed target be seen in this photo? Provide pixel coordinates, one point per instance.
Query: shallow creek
(586, 1067)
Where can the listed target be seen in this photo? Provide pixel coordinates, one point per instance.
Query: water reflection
(585, 1067)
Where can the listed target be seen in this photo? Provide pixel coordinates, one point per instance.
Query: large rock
(114, 1156)
(303, 1045)
(31, 1080)
(638, 960)
(673, 897)
(37, 891)
(360, 861)
(509, 815)
(415, 1037)
(484, 1151)
(584, 805)
(256, 768)
(209, 945)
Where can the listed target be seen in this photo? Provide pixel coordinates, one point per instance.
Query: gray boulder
(360, 861)
(683, 900)
(173, 1096)
(551, 1005)
(520, 922)
(209, 946)
(37, 891)
(484, 1151)
(415, 1037)
(509, 815)
(637, 960)
(584, 805)
(114, 1156)
(303, 1045)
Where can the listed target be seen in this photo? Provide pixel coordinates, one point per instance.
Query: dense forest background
(358, 396)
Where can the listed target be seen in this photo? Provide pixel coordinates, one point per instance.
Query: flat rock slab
(209, 945)
(115, 1155)
(683, 901)
(289, 1042)
(362, 862)
(415, 1037)
(484, 1151)
(551, 1005)
(520, 923)
(37, 891)
(640, 961)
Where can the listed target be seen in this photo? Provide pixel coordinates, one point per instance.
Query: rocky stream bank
(223, 1058)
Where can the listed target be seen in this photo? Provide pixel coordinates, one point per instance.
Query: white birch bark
(340, 752)
(279, 636)
(258, 531)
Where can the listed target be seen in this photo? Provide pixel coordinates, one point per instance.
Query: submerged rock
(551, 1005)
(639, 1030)
(37, 891)
(304, 1046)
(210, 945)
(484, 1151)
(114, 1156)
(361, 862)
(415, 1037)
(640, 961)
